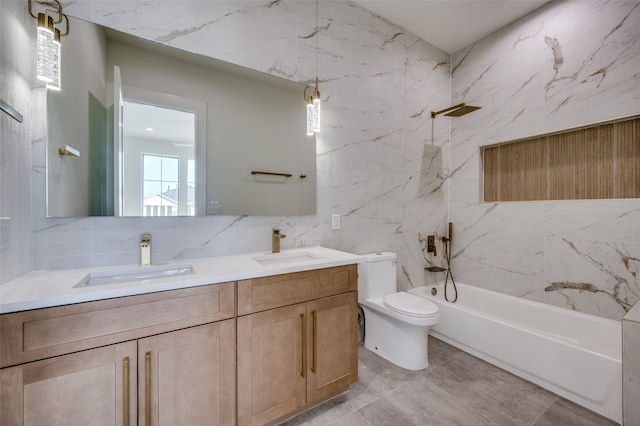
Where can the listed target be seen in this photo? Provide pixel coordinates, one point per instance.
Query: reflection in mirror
(164, 138)
(184, 139)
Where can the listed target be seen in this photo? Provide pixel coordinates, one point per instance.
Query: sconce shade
(44, 48)
(309, 119)
(316, 115)
(55, 84)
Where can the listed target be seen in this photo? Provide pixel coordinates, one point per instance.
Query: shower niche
(599, 161)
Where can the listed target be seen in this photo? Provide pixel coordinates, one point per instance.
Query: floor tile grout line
(395, 380)
(461, 402)
(390, 390)
(545, 410)
(425, 376)
(494, 366)
(349, 414)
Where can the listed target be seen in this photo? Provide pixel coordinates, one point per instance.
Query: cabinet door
(271, 364)
(332, 346)
(187, 377)
(85, 388)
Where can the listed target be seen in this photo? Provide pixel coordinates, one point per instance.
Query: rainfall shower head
(456, 110)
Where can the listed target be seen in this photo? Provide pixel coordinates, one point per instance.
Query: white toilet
(396, 324)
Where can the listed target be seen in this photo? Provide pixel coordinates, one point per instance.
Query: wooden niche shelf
(596, 162)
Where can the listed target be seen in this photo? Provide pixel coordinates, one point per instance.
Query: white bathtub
(575, 355)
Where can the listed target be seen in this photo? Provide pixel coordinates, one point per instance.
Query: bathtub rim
(617, 356)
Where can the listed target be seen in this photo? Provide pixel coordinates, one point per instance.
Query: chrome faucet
(275, 240)
(145, 249)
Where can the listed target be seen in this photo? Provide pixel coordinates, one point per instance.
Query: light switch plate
(335, 222)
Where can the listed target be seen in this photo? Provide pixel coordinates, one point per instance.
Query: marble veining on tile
(376, 165)
(601, 277)
(382, 162)
(566, 64)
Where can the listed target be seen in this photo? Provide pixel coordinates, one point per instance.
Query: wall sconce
(48, 46)
(313, 109)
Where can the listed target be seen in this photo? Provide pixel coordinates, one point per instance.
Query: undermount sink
(139, 273)
(281, 258)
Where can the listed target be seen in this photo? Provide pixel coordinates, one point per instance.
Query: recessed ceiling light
(149, 129)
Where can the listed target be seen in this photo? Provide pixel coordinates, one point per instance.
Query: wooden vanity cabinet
(94, 387)
(297, 342)
(170, 357)
(179, 368)
(188, 377)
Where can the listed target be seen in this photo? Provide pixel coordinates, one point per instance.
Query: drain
(434, 291)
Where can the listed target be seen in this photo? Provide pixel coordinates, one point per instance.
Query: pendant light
(48, 45)
(313, 109)
(313, 100)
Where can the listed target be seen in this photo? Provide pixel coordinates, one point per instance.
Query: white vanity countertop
(43, 289)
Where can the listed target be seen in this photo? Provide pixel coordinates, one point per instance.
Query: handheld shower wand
(447, 255)
(450, 234)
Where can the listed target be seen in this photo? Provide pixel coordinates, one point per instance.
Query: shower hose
(447, 256)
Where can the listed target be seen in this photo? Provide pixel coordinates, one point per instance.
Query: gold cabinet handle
(303, 333)
(125, 396)
(147, 389)
(315, 341)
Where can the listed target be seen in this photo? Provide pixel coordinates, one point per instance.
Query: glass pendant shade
(56, 59)
(316, 115)
(310, 114)
(44, 48)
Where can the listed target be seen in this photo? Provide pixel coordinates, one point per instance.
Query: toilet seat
(411, 305)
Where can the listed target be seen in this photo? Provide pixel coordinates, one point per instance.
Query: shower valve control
(431, 244)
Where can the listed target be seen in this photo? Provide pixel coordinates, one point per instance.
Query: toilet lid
(410, 304)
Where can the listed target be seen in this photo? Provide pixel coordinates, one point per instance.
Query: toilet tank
(376, 275)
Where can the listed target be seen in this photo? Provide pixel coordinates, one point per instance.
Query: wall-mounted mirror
(189, 134)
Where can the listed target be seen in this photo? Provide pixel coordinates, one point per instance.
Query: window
(161, 193)
(158, 160)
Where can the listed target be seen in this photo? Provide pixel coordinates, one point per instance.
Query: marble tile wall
(568, 64)
(380, 163)
(377, 166)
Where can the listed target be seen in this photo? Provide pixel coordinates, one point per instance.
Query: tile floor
(456, 389)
